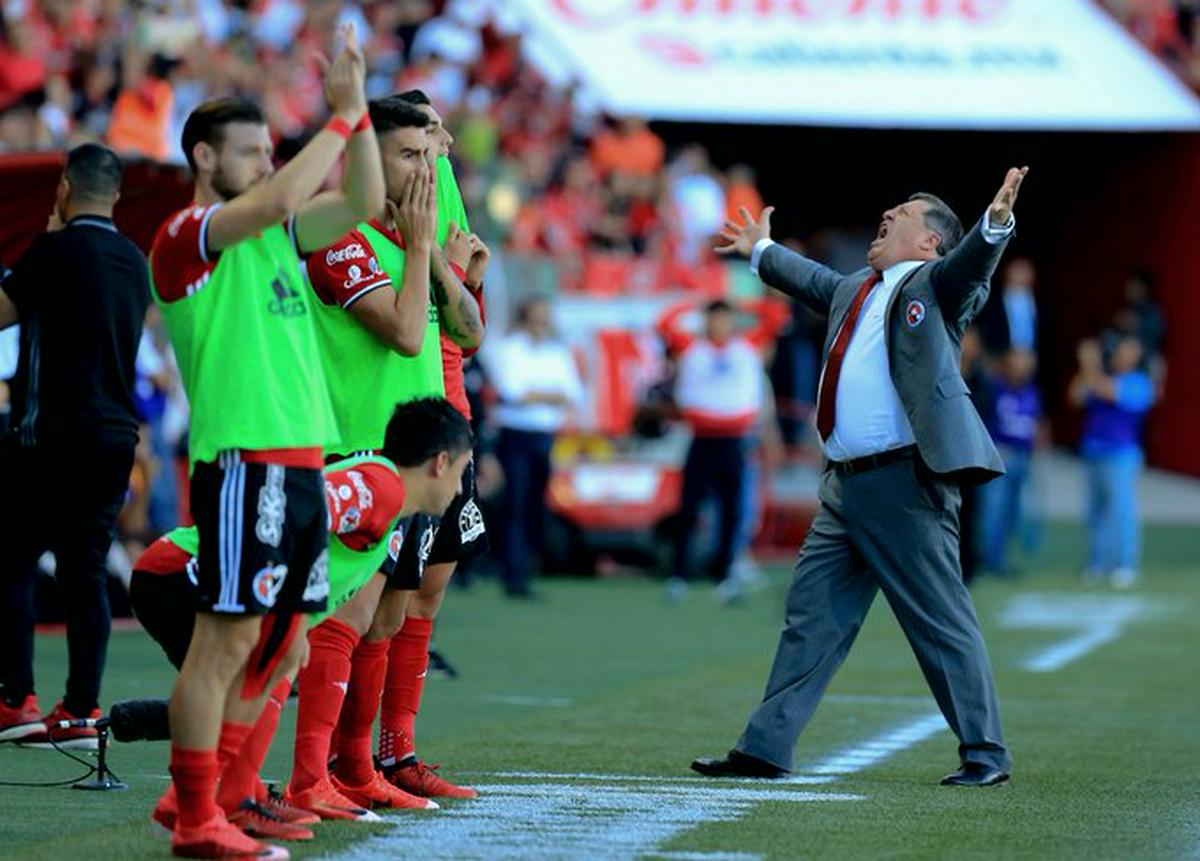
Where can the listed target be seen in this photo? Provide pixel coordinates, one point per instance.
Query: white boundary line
(1094, 620)
(876, 750)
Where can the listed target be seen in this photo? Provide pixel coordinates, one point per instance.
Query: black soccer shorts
(263, 538)
(462, 533)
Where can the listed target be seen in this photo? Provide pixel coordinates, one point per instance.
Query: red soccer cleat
(380, 793)
(166, 811)
(50, 735)
(218, 838)
(20, 721)
(257, 821)
(420, 779)
(284, 809)
(324, 800)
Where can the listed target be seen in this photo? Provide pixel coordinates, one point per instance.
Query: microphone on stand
(129, 720)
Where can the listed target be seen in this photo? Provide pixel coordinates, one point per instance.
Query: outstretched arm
(778, 267)
(290, 188)
(963, 276)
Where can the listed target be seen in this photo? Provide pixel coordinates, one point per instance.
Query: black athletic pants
(63, 498)
(715, 466)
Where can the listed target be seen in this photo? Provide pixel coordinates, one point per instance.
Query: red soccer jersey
(452, 358)
(363, 500)
(345, 271)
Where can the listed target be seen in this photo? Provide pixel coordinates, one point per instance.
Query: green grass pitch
(605, 679)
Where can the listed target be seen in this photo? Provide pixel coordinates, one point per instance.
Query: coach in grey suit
(899, 435)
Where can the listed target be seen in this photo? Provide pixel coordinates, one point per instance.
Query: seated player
(426, 449)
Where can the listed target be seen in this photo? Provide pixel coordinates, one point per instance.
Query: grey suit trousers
(893, 529)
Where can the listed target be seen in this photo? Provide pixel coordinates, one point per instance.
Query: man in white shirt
(899, 436)
(538, 383)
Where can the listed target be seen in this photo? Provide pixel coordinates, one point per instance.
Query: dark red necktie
(827, 407)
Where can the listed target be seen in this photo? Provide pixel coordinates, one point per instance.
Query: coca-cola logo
(341, 255)
(601, 13)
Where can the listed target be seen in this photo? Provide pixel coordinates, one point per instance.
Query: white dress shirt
(521, 365)
(870, 417)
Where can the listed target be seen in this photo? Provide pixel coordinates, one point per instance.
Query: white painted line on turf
(798, 780)
(523, 700)
(1094, 620)
(557, 820)
(876, 750)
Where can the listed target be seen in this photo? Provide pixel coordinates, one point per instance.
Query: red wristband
(339, 127)
(364, 122)
(459, 272)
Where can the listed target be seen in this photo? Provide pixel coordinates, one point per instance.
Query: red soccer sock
(323, 685)
(408, 660)
(369, 667)
(195, 775)
(239, 776)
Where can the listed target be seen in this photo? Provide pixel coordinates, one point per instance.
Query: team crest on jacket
(395, 543)
(914, 313)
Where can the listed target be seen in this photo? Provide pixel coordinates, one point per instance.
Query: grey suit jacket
(926, 319)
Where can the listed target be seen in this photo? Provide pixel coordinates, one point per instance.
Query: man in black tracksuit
(80, 295)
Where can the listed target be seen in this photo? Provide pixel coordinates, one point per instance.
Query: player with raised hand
(461, 532)
(226, 275)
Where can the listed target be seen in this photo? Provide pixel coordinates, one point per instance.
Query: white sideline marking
(875, 750)
(798, 779)
(1095, 619)
(547, 821)
(524, 700)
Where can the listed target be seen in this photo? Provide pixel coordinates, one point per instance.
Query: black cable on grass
(91, 769)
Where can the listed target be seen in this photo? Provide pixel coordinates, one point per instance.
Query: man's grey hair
(940, 218)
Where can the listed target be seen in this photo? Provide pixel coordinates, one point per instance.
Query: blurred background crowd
(602, 199)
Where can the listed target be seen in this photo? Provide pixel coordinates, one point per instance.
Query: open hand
(345, 76)
(1000, 212)
(742, 238)
(416, 210)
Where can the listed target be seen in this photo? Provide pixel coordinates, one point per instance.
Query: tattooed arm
(458, 311)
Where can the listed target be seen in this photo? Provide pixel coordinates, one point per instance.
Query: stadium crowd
(1169, 28)
(550, 176)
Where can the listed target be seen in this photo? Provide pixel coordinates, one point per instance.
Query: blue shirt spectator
(1114, 424)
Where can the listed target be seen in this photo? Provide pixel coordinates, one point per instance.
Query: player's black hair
(206, 124)
(717, 306)
(940, 218)
(94, 173)
(421, 429)
(392, 112)
(413, 97)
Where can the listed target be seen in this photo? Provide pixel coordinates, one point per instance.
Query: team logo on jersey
(341, 255)
(470, 522)
(349, 520)
(267, 583)
(914, 313)
(287, 302)
(366, 499)
(317, 588)
(395, 542)
(272, 505)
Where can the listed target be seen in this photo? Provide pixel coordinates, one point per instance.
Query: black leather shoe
(975, 774)
(737, 764)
